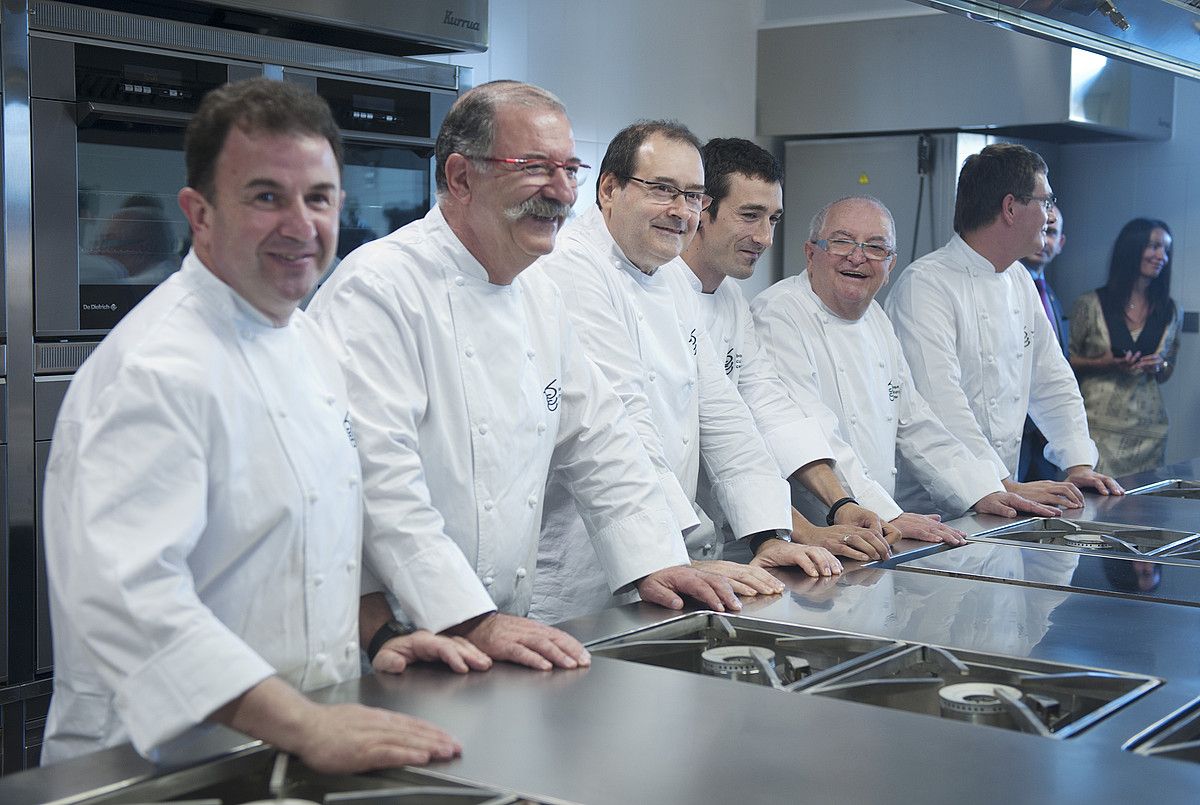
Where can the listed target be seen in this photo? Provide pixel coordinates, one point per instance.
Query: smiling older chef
(745, 183)
(639, 321)
(202, 501)
(829, 339)
(469, 388)
(980, 345)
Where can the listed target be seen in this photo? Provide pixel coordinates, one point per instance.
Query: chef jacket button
(881, 364)
(351, 566)
(541, 428)
(352, 481)
(841, 370)
(522, 573)
(469, 351)
(488, 581)
(459, 281)
(853, 420)
(321, 658)
(351, 649)
(533, 501)
(640, 316)
(318, 580)
(903, 421)
(824, 320)
(282, 414)
(686, 440)
(708, 548)
(992, 402)
(313, 497)
(529, 353)
(998, 442)
(1016, 398)
(330, 399)
(488, 505)
(894, 471)
(483, 428)
(652, 375)
(888, 417)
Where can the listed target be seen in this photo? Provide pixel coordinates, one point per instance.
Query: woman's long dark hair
(1125, 267)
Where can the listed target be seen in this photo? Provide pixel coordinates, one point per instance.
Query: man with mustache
(981, 348)
(469, 389)
(829, 339)
(640, 323)
(745, 183)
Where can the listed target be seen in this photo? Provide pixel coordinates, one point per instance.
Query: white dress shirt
(466, 395)
(202, 519)
(857, 369)
(983, 354)
(794, 437)
(646, 334)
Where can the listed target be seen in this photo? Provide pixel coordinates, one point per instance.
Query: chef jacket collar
(593, 222)
(971, 261)
(455, 254)
(693, 280)
(210, 285)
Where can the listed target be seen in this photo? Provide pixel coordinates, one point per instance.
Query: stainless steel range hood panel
(1159, 33)
(997, 83)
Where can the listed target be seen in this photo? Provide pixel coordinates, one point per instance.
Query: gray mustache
(539, 207)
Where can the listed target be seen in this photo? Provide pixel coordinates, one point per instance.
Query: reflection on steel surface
(1174, 488)
(262, 774)
(1040, 698)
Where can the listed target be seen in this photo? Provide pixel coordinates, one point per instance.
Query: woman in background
(1124, 339)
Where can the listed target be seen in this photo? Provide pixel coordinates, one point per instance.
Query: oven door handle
(89, 112)
(419, 144)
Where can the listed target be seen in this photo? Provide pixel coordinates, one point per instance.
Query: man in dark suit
(1033, 465)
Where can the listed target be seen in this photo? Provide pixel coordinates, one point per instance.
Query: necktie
(1040, 282)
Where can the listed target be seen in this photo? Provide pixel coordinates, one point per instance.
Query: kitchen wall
(1101, 187)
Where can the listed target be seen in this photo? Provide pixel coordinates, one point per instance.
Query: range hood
(408, 28)
(1159, 33)
(983, 79)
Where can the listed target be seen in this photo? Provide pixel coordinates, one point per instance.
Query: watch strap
(392, 628)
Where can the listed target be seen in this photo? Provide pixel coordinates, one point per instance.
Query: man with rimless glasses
(829, 339)
(640, 323)
(468, 389)
(981, 347)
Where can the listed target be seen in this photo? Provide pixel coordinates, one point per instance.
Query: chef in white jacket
(745, 183)
(469, 389)
(981, 348)
(639, 321)
(828, 338)
(202, 499)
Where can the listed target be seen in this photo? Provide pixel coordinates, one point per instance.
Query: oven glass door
(132, 234)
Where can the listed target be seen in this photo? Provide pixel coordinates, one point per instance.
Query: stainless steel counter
(626, 733)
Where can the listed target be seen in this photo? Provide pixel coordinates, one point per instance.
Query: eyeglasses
(543, 169)
(663, 193)
(1047, 202)
(839, 247)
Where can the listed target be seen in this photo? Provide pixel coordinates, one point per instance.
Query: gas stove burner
(737, 662)
(974, 701)
(1089, 541)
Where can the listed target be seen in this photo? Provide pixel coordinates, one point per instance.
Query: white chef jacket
(466, 395)
(202, 519)
(983, 354)
(646, 334)
(857, 369)
(794, 437)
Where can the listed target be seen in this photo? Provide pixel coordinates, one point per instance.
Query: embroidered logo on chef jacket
(1028, 337)
(552, 391)
(349, 430)
(893, 391)
(692, 340)
(733, 360)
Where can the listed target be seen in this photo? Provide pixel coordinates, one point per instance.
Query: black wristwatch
(392, 628)
(833, 510)
(756, 540)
